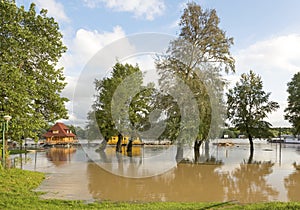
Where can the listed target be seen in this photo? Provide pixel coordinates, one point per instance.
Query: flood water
(151, 173)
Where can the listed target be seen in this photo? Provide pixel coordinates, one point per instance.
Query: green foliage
(80, 132)
(30, 83)
(248, 105)
(92, 129)
(202, 39)
(231, 132)
(293, 109)
(115, 108)
(17, 151)
(197, 57)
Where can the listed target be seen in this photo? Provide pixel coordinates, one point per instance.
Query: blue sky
(266, 35)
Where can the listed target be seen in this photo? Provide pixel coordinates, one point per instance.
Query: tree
(78, 131)
(92, 129)
(30, 83)
(293, 109)
(122, 104)
(248, 106)
(196, 57)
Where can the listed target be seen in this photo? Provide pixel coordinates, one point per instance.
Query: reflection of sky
(152, 161)
(233, 156)
(156, 161)
(263, 151)
(230, 156)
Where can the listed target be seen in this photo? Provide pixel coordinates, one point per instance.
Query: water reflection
(219, 174)
(141, 162)
(60, 155)
(248, 183)
(292, 184)
(187, 182)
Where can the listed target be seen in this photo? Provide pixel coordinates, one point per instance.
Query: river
(151, 173)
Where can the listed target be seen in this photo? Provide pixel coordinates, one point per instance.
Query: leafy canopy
(116, 109)
(293, 109)
(248, 105)
(30, 84)
(196, 57)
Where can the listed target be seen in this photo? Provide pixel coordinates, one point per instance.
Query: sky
(266, 40)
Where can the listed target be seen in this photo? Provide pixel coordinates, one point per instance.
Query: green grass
(16, 192)
(17, 151)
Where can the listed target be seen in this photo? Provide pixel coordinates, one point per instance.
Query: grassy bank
(17, 151)
(16, 192)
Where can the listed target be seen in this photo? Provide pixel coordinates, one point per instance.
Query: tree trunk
(129, 148)
(251, 148)
(103, 144)
(119, 144)
(197, 145)
(179, 153)
(103, 156)
(206, 153)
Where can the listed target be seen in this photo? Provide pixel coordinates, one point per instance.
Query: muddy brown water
(151, 173)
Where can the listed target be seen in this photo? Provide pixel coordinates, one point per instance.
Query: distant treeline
(230, 132)
(271, 133)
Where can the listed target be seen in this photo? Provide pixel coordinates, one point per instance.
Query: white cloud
(146, 63)
(277, 53)
(81, 49)
(148, 9)
(86, 44)
(55, 9)
(276, 60)
(277, 118)
(92, 54)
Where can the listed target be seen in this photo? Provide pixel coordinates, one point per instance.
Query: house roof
(63, 131)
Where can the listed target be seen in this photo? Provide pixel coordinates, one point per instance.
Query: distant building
(60, 134)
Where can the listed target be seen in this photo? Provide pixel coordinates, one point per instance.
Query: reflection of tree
(298, 149)
(127, 163)
(187, 182)
(194, 181)
(248, 183)
(59, 155)
(205, 157)
(292, 185)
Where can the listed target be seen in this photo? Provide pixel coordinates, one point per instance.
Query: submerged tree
(293, 109)
(196, 58)
(30, 83)
(122, 104)
(248, 106)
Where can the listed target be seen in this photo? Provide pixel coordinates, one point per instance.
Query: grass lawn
(17, 151)
(16, 192)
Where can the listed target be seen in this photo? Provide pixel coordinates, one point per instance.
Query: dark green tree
(293, 109)
(30, 83)
(248, 106)
(122, 104)
(92, 129)
(197, 57)
(78, 131)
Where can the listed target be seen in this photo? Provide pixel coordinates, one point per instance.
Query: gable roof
(63, 131)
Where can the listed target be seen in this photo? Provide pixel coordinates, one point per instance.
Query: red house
(60, 134)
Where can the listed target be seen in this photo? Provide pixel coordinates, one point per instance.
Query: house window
(55, 131)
